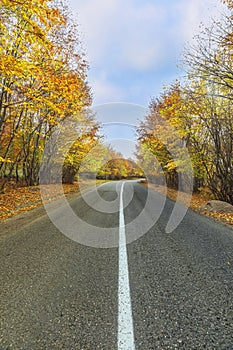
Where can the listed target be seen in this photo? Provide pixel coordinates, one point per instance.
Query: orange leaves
(197, 201)
(55, 16)
(23, 199)
(43, 81)
(229, 3)
(16, 68)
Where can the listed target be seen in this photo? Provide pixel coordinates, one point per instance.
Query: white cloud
(141, 47)
(97, 20)
(193, 13)
(106, 91)
(130, 30)
(123, 36)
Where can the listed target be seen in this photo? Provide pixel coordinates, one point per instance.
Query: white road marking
(125, 319)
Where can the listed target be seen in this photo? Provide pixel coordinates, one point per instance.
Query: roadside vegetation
(42, 84)
(200, 110)
(44, 88)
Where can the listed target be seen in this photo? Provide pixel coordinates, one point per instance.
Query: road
(161, 291)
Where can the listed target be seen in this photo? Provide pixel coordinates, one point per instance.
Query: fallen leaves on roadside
(27, 198)
(22, 199)
(224, 217)
(197, 201)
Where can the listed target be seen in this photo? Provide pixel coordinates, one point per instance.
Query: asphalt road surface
(160, 291)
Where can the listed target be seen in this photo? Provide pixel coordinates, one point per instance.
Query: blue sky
(134, 46)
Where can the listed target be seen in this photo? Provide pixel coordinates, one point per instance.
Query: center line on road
(125, 319)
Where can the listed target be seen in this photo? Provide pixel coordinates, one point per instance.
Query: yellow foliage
(42, 78)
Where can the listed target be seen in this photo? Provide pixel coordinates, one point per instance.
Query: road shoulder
(197, 201)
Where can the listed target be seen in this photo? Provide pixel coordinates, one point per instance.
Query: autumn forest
(44, 87)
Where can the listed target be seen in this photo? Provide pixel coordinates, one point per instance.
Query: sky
(134, 47)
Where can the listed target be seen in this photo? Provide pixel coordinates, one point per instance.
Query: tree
(211, 81)
(42, 82)
(199, 115)
(164, 137)
(84, 144)
(115, 167)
